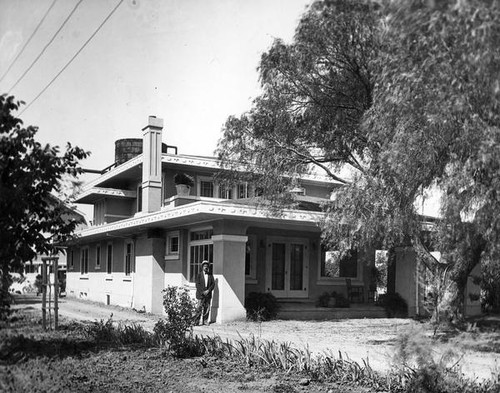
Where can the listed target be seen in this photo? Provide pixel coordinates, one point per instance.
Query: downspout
(417, 304)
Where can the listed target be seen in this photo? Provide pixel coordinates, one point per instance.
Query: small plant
(183, 178)
(176, 330)
(323, 300)
(395, 306)
(341, 301)
(261, 306)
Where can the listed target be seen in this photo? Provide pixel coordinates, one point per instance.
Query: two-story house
(144, 236)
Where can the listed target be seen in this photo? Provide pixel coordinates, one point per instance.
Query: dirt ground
(359, 339)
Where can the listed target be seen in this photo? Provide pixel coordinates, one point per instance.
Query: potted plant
(183, 183)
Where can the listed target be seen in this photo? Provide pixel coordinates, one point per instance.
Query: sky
(191, 62)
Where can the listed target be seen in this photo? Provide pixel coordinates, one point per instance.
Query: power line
(46, 46)
(74, 56)
(28, 41)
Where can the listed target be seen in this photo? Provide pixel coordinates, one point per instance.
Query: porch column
(406, 278)
(229, 273)
(149, 274)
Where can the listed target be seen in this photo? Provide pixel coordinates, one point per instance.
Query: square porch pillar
(149, 276)
(229, 273)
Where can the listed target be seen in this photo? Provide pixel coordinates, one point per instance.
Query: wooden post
(55, 266)
(56, 293)
(44, 293)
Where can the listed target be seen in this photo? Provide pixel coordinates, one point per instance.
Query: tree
(406, 94)
(32, 219)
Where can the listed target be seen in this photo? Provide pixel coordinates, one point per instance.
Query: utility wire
(74, 57)
(28, 41)
(46, 46)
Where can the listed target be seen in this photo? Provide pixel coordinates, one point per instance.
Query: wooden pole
(44, 293)
(56, 293)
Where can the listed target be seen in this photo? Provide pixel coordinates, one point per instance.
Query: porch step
(308, 311)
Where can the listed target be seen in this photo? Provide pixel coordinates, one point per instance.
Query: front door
(287, 267)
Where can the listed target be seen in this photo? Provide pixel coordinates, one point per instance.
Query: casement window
(206, 187)
(109, 258)
(225, 192)
(99, 211)
(242, 191)
(84, 260)
(98, 256)
(333, 266)
(201, 248)
(139, 198)
(173, 245)
(251, 258)
(129, 258)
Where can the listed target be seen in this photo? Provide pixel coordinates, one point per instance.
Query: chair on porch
(354, 292)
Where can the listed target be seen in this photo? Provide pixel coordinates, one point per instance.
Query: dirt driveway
(359, 339)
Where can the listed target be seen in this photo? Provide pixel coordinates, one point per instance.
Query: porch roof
(202, 211)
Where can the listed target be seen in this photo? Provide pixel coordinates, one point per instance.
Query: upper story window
(206, 187)
(242, 191)
(333, 266)
(139, 198)
(99, 208)
(225, 192)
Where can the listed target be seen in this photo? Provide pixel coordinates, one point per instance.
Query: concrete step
(307, 311)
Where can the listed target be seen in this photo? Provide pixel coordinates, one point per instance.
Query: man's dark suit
(204, 299)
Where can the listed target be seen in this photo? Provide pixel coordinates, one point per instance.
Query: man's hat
(205, 263)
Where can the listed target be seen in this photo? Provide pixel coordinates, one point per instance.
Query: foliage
(395, 306)
(491, 286)
(323, 300)
(418, 368)
(405, 94)
(107, 332)
(341, 301)
(32, 220)
(183, 178)
(261, 306)
(176, 330)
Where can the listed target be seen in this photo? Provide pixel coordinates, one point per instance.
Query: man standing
(205, 284)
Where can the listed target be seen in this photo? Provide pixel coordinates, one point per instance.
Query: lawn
(71, 359)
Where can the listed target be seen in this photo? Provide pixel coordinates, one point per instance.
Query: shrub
(323, 300)
(121, 334)
(261, 306)
(341, 301)
(395, 306)
(176, 330)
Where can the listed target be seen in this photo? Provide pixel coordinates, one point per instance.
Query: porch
(307, 310)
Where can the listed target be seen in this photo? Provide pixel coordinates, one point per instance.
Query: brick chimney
(151, 165)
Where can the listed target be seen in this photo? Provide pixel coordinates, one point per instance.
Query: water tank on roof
(126, 149)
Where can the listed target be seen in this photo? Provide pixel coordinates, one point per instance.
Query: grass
(103, 355)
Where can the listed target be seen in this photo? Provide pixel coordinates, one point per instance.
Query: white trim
(230, 238)
(204, 207)
(102, 191)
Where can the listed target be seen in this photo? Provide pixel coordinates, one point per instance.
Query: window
(201, 248)
(242, 191)
(128, 258)
(173, 245)
(206, 188)
(251, 257)
(139, 198)
(333, 266)
(99, 213)
(109, 259)
(225, 192)
(84, 261)
(71, 257)
(98, 257)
